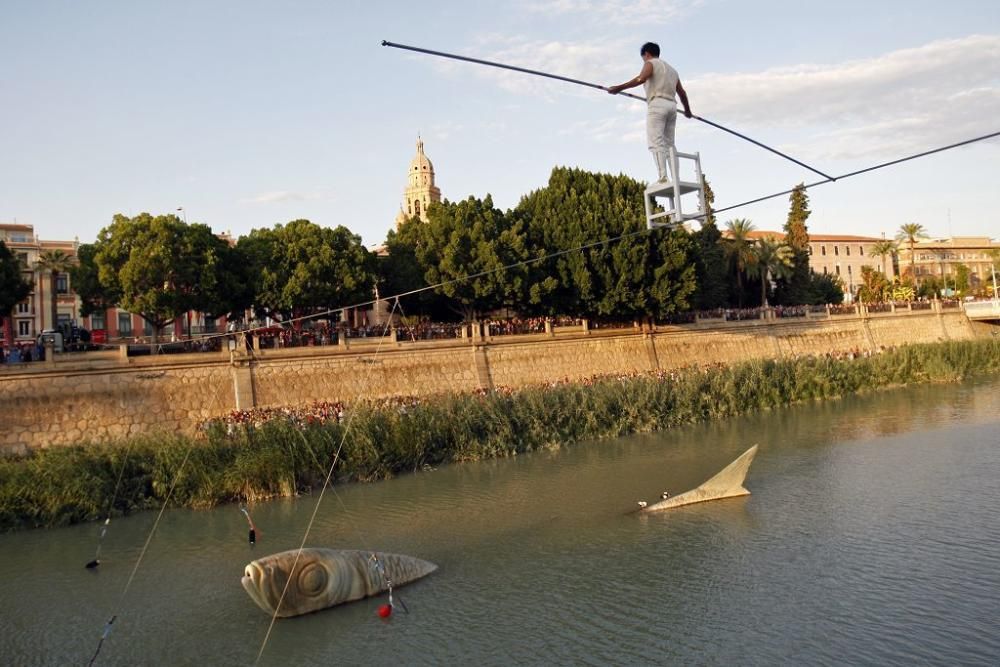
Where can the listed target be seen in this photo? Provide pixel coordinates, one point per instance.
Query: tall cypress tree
(797, 287)
(710, 260)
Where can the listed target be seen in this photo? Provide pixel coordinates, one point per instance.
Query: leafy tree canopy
(644, 274)
(14, 288)
(302, 268)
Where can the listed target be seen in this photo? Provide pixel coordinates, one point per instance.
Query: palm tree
(55, 262)
(911, 232)
(884, 248)
(771, 258)
(739, 249)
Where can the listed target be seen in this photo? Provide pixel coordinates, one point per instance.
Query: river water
(871, 538)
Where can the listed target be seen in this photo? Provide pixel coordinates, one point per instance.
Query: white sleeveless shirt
(664, 81)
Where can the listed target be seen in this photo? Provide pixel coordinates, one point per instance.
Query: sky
(246, 114)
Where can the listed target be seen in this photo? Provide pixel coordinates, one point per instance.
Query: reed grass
(65, 485)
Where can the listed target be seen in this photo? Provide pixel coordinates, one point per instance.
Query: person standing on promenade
(662, 85)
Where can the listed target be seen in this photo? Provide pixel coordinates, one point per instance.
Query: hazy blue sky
(251, 113)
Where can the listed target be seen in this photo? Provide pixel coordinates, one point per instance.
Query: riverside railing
(324, 335)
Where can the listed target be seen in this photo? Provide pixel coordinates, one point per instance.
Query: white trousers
(661, 121)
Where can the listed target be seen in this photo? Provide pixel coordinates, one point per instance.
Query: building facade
(941, 259)
(35, 314)
(843, 256)
(421, 191)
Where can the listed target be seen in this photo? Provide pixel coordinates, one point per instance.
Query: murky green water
(871, 537)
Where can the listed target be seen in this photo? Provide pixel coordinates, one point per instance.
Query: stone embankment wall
(108, 396)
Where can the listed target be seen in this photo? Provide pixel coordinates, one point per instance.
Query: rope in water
(559, 77)
(149, 538)
(322, 492)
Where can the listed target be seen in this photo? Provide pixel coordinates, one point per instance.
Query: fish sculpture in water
(326, 577)
(727, 484)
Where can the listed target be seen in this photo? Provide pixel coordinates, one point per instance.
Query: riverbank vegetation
(284, 457)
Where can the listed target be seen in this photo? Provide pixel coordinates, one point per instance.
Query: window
(23, 258)
(97, 321)
(24, 327)
(62, 283)
(849, 272)
(838, 269)
(210, 324)
(824, 270)
(124, 324)
(847, 249)
(861, 250)
(23, 308)
(836, 250)
(416, 207)
(822, 250)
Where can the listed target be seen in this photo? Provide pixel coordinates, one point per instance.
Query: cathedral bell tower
(420, 189)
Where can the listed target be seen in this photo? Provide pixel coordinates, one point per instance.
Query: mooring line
(322, 492)
(588, 84)
(149, 538)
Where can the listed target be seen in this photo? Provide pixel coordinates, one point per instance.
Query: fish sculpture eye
(312, 580)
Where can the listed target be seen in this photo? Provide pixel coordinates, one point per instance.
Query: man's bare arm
(644, 74)
(684, 98)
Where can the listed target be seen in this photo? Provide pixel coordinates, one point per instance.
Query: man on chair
(661, 83)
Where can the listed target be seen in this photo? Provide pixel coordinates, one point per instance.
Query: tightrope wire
(559, 77)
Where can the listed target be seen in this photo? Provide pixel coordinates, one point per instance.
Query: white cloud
(905, 99)
(602, 62)
(617, 12)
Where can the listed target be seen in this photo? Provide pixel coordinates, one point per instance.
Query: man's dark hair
(650, 48)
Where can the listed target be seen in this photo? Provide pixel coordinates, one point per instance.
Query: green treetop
(302, 268)
(14, 288)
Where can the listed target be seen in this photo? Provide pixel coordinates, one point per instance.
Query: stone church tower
(420, 189)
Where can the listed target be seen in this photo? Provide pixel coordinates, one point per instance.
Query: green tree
(465, 247)
(771, 258)
(797, 287)
(301, 268)
(85, 274)
(14, 288)
(882, 249)
(962, 279)
(739, 250)
(400, 272)
(711, 275)
(875, 287)
(160, 267)
(218, 283)
(54, 262)
(826, 289)
(910, 233)
(637, 273)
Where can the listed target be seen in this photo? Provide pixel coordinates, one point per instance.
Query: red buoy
(385, 611)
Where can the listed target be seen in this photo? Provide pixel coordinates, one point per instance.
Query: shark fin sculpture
(726, 484)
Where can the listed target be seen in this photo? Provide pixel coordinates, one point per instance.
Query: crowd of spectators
(22, 353)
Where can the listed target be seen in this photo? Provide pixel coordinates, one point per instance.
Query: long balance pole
(524, 70)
